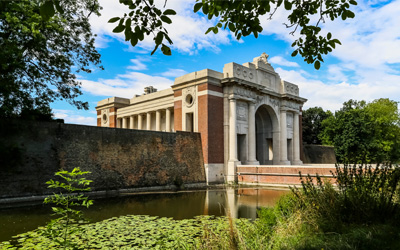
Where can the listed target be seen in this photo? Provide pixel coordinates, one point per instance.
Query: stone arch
(267, 135)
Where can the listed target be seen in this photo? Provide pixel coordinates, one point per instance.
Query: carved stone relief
(244, 72)
(267, 80)
(291, 88)
(246, 93)
(274, 102)
(241, 111)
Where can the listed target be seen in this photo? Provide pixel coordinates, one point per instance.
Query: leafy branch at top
(243, 18)
(145, 19)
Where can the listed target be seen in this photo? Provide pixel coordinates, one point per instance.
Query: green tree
(242, 17)
(386, 119)
(40, 51)
(364, 133)
(312, 124)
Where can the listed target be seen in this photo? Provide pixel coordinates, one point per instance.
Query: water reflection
(239, 203)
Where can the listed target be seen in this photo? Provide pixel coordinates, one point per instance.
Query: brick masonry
(117, 158)
(284, 175)
(210, 111)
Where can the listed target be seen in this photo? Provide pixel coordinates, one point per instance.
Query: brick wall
(211, 127)
(117, 158)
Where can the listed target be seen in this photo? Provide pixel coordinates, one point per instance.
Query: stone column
(140, 121)
(125, 122)
(131, 122)
(283, 141)
(231, 173)
(296, 140)
(168, 120)
(252, 135)
(158, 120)
(118, 122)
(148, 121)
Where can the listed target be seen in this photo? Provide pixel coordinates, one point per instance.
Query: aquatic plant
(66, 202)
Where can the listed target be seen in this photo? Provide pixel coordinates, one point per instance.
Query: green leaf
(119, 29)
(47, 10)
(165, 50)
(134, 40)
(350, 14)
(197, 7)
(288, 5)
(205, 9)
(58, 7)
(353, 2)
(294, 53)
(128, 22)
(317, 65)
(215, 30)
(329, 36)
(166, 19)
(209, 29)
(155, 48)
(113, 20)
(231, 27)
(169, 12)
(158, 39)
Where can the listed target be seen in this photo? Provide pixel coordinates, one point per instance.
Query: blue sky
(365, 67)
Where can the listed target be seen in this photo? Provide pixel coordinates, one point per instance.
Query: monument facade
(246, 115)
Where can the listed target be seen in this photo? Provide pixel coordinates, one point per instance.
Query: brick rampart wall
(117, 158)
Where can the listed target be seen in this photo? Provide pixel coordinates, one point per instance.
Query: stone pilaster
(168, 120)
(158, 120)
(233, 161)
(131, 122)
(148, 121)
(252, 135)
(140, 121)
(125, 122)
(283, 141)
(296, 140)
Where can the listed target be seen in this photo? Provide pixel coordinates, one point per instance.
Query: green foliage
(72, 185)
(243, 19)
(312, 124)
(40, 51)
(360, 212)
(364, 133)
(145, 19)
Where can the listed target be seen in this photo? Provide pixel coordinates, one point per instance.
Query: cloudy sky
(365, 67)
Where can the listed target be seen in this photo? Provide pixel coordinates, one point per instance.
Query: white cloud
(137, 65)
(282, 61)
(332, 96)
(74, 117)
(128, 84)
(174, 73)
(186, 31)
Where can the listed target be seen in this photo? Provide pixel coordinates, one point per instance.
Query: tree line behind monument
(361, 132)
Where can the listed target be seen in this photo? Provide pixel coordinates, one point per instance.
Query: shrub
(72, 186)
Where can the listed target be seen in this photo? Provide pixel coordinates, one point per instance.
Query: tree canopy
(41, 50)
(312, 124)
(364, 132)
(242, 17)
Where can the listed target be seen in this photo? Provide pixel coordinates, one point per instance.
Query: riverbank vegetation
(360, 210)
